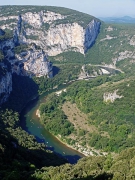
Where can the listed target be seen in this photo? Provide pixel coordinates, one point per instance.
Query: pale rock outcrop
(64, 36)
(132, 41)
(110, 97)
(125, 55)
(6, 24)
(29, 62)
(109, 28)
(38, 64)
(104, 71)
(32, 62)
(49, 16)
(37, 19)
(2, 18)
(108, 38)
(54, 39)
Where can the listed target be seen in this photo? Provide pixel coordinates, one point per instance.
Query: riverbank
(58, 137)
(30, 122)
(85, 151)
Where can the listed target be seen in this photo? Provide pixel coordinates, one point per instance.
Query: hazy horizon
(97, 8)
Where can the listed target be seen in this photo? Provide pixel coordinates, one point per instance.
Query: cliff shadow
(23, 90)
(55, 70)
(91, 34)
(72, 159)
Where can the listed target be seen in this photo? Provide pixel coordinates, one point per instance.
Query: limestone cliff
(55, 32)
(62, 37)
(38, 64)
(33, 62)
(91, 33)
(29, 62)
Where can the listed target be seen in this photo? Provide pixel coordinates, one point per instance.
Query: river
(31, 123)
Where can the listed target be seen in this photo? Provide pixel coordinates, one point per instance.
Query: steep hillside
(98, 115)
(114, 45)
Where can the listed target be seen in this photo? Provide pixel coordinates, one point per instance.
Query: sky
(97, 8)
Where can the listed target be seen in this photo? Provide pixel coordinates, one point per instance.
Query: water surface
(31, 123)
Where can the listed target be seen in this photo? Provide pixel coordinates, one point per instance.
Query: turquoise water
(30, 122)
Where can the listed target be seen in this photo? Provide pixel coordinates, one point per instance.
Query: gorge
(79, 73)
(54, 40)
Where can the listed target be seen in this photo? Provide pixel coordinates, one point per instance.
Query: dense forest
(20, 154)
(114, 121)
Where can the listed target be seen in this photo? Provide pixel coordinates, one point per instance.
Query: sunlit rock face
(33, 62)
(63, 37)
(41, 28)
(38, 64)
(111, 97)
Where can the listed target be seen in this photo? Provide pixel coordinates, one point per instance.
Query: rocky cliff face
(64, 37)
(29, 62)
(91, 33)
(33, 62)
(111, 97)
(53, 33)
(38, 64)
(5, 87)
(61, 37)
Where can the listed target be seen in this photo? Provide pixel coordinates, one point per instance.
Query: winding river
(30, 123)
